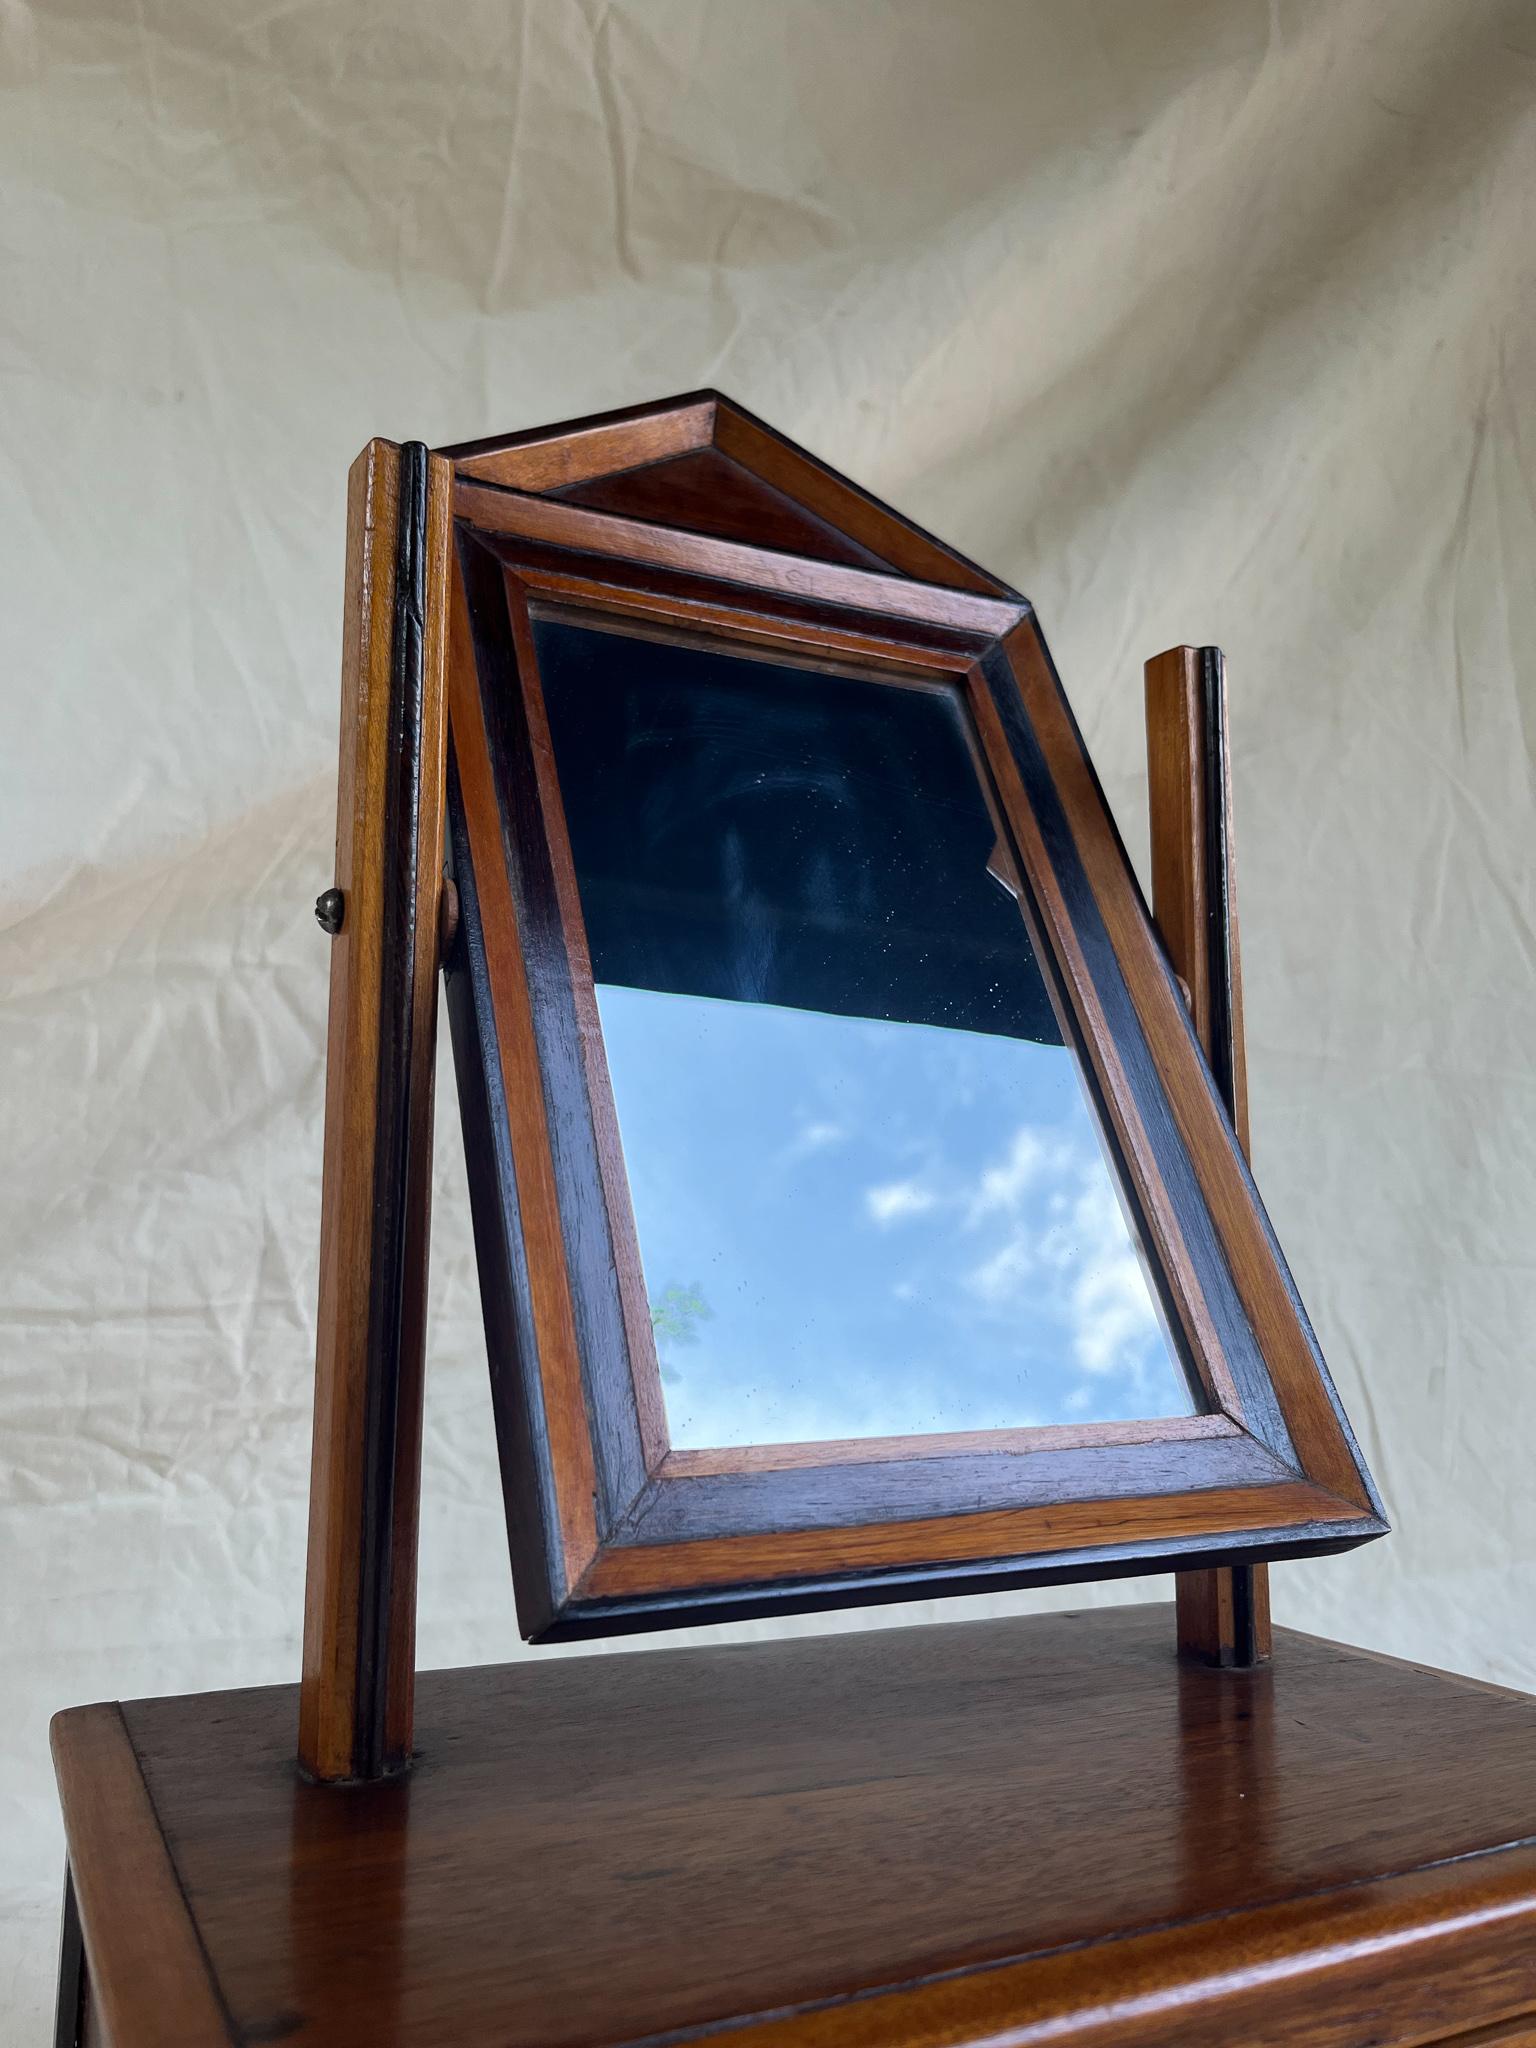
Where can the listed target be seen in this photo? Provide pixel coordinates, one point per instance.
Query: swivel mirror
(854, 1207)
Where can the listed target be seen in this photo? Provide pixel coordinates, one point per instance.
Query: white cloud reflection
(937, 1244)
(1070, 1241)
(812, 1136)
(897, 1200)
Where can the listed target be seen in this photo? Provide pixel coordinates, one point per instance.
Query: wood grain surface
(754, 565)
(554, 458)
(360, 1599)
(704, 461)
(1224, 1613)
(1033, 1830)
(150, 1984)
(707, 491)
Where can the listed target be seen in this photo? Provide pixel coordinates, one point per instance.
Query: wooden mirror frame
(612, 1530)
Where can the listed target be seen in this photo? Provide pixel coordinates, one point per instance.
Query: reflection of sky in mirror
(855, 1228)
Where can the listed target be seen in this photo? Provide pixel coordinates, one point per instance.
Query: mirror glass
(870, 1194)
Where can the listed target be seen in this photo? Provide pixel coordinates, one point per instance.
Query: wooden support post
(360, 1598)
(1223, 1615)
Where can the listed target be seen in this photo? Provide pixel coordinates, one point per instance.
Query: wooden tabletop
(1044, 1827)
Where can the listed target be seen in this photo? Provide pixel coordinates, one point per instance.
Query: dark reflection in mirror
(870, 1194)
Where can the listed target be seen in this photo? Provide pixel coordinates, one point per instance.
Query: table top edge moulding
(1118, 1847)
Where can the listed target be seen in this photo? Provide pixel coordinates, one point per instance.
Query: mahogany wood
(628, 1536)
(359, 1627)
(1034, 1830)
(603, 444)
(1268, 1301)
(523, 516)
(845, 504)
(549, 1465)
(1194, 889)
(705, 462)
(1223, 1614)
(708, 492)
(148, 1974)
(879, 1450)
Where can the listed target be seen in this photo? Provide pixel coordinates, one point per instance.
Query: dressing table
(794, 966)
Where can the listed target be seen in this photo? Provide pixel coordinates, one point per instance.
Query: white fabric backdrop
(1199, 319)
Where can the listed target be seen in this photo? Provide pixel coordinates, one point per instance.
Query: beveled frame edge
(524, 515)
(589, 1615)
(580, 451)
(642, 1558)
(601, 444)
